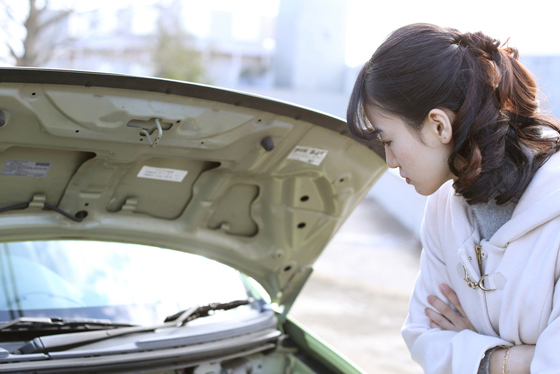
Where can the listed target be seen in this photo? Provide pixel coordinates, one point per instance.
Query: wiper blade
(64, 341)
(56, 323)
(190, 314)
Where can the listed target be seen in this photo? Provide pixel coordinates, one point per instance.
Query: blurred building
(310, 45)
(126, 40)
(301, 50)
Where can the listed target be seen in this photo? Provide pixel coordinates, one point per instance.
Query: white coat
(522, 263)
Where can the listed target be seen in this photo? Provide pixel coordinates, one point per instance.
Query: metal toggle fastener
(480, 284)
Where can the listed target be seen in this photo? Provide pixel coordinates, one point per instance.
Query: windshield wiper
(65, 341)
(56, 323)
(190, 314)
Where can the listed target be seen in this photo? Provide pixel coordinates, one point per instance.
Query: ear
(438, 123)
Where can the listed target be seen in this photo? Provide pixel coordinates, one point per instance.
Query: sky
(530, 25)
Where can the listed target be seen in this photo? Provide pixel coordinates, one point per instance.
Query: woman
(458, 115)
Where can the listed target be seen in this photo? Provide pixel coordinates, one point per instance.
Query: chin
(424, 191)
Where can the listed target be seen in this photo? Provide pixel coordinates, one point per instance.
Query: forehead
(380, 121)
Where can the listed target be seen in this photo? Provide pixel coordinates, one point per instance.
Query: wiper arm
(192, 313)
(56, 323)
(64, 341)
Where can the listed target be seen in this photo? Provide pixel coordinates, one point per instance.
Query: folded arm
(519, 357)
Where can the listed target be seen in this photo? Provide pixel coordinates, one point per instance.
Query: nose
(390, 158)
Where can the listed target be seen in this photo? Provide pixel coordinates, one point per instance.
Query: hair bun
(480, 41)
(462, 40)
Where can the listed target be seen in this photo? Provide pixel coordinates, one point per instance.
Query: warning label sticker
(26, 168)
(311, 156)
(163, 174)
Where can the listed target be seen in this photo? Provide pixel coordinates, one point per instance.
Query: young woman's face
(421, 159)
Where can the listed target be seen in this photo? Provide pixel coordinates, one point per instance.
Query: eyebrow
(375, 134)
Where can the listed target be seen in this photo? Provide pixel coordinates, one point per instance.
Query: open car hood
(257, 184)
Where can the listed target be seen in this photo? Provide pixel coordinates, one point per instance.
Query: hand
(448, 319)
(519, 360)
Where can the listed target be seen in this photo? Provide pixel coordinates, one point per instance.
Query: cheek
(405, 156)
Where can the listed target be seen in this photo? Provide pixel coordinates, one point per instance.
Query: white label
(311, 156)
(162, 174)
(19, 168)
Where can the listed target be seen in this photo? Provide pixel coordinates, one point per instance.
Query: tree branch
(9, 12)
(13, 53)
(54, 19)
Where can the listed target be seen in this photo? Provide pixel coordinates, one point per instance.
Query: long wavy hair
(500, 137)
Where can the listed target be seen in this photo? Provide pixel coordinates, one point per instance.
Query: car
(158, 226)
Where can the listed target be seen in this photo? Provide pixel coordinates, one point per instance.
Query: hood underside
(254, 183)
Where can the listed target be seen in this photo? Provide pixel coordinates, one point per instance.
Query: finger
(444, 309)
(452, 297)
(434, 325)
(441, 322)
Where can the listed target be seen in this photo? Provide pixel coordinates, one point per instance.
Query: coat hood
(539, 204)
(254, 183)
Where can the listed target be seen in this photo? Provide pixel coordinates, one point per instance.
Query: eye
(379, 139)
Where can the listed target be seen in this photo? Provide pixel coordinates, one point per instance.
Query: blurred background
(307, 52)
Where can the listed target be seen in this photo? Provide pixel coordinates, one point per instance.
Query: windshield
(125, 283)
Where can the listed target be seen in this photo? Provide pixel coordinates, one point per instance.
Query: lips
(405, 178)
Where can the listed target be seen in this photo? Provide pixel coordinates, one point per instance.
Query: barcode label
(18, 168)
(309, 155)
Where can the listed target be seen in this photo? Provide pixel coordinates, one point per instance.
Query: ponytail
(502, 140)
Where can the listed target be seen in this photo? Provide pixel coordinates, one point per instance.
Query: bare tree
(42, 36)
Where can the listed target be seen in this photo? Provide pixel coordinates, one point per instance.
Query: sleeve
(485, 363)
(546, 359)
(439, 351)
